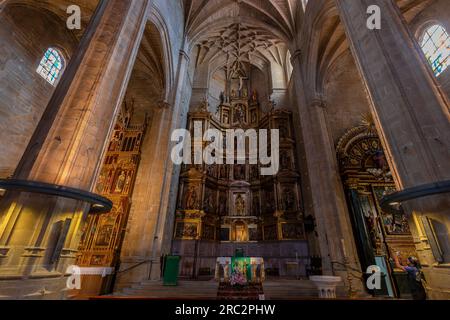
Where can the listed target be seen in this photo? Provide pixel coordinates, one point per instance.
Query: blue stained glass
(51, 66)
(436, 46)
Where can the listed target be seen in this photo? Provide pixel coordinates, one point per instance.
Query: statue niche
(239, 172)
(120, 182)
(240, 114)
(288, 199)
(192, 199)
(240, 205)
(241, 234)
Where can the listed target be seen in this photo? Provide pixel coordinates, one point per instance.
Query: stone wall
(346, 100)
(23, 93)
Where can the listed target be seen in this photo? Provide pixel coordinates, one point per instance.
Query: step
(290, 289)
(273, 289)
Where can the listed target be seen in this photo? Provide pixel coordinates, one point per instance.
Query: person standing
(414, 276)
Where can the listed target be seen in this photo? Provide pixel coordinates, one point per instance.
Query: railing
(133, 267)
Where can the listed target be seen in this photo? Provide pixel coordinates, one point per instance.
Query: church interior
(92, 205)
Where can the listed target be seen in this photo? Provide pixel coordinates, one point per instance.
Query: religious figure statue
(240, 205)
(192, 199)
(127, 183)
(115, 142)
(203, 107)
(209, 202)
(103, 236)
(240, 234)
(105, 231)
(371, 226)
(222, 97)
(288, 199)
(254, 117)
(226, 118)
(101, 182)
(120, 182)
(241, 83)
(239, 114)
(254, 96)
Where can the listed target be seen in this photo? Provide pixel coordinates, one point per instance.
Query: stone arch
(324, 43)
(158, 20)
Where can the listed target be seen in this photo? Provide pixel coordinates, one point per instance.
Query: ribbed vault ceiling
(277, 16)
(239, 41)
(253, 31)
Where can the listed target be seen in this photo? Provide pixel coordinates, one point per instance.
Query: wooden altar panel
(103, 234)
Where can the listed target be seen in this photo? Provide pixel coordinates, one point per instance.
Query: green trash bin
(171, 270)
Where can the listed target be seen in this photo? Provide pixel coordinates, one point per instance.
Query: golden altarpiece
(103, 234)
(379, 234)
(224, 207)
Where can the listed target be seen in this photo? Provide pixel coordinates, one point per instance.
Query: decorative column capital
(296, 56)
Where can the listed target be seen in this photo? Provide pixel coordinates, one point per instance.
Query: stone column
(333, 226)
(66, 149)
(411, 115)
(150, 227)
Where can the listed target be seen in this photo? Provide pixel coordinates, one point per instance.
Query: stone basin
(326, 285)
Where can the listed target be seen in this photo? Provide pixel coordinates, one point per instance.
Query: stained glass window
(51, 66)
(436, 46)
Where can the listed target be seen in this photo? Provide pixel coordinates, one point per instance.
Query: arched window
(51, 66)
(436, 46)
